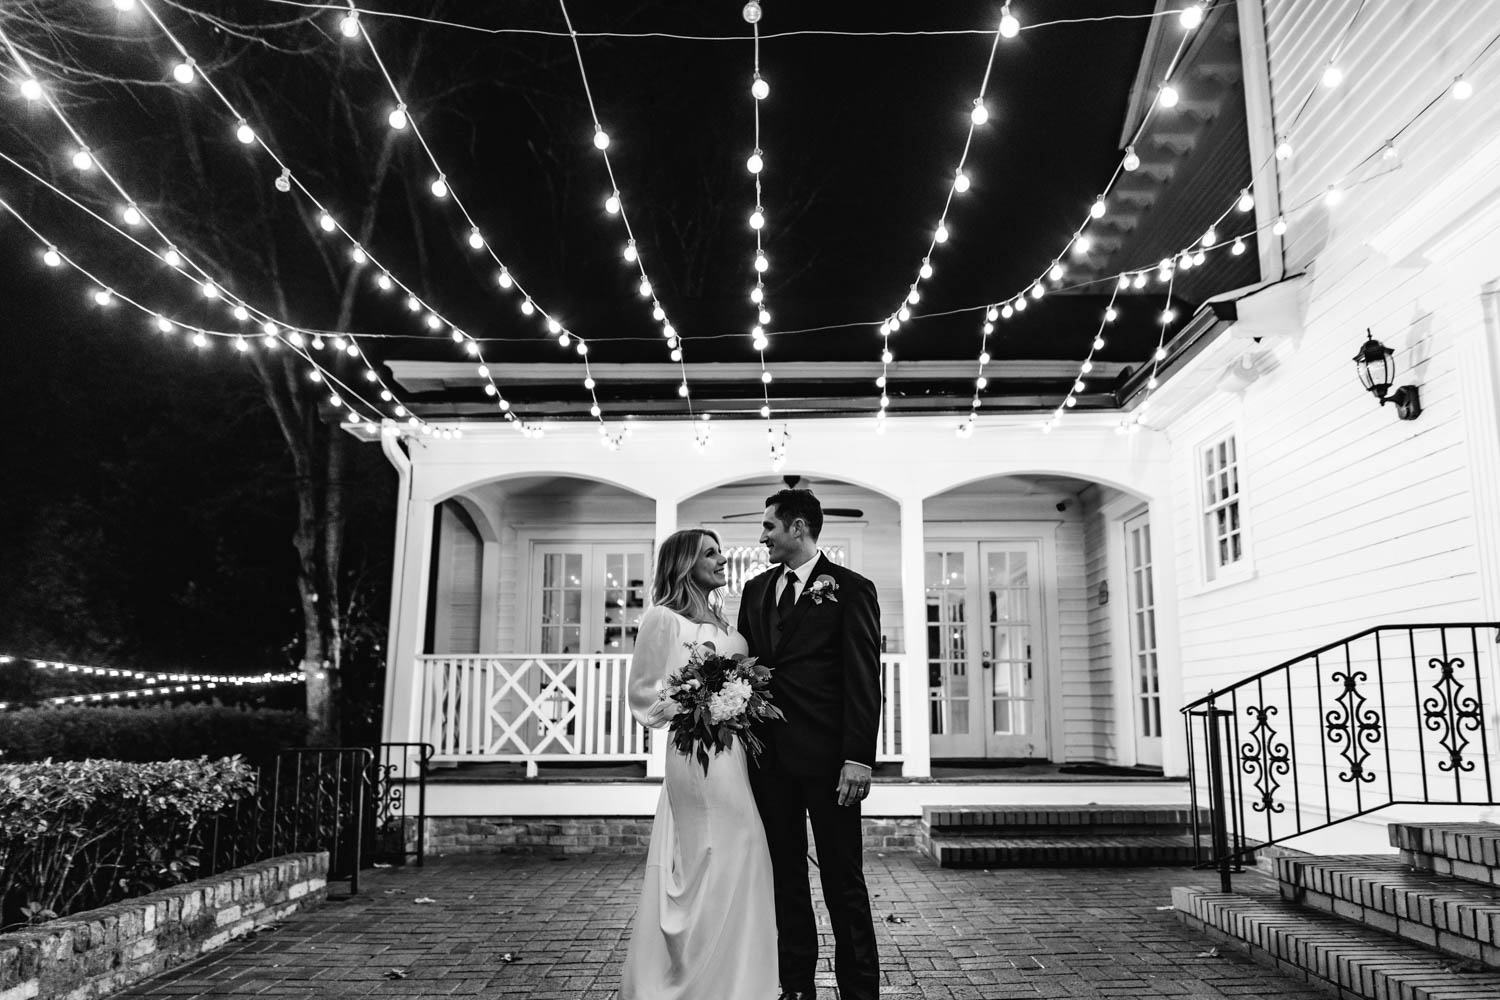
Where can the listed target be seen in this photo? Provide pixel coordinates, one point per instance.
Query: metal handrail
(1270, 774)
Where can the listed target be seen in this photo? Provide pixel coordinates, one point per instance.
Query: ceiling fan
(791, 484)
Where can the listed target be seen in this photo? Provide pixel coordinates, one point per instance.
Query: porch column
(916, 737)
(666, 523)
(401, 722)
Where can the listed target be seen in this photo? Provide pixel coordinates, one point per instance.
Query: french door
(986, 649)
(1141, 610)
(587, 597)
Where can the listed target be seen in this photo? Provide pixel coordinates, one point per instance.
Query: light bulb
(413, 304)
(760, 344)
(1140, 280)
(164, 325)
(1284, 149)
(209, 290)
(1333, 76)
(241, 346)
(1098, 209)
(913, 297)
(503, 279)
(1462, 89)
(601, 138)
(1238, 248)
(1389, 152)
(884, 401)
(398, 117)
(756, 163)
(1070, 401)
(981, 382)
(457, 335)
(960, 182)
(268, 328)
(1082, 245)
(1124, 281)
(941, 235)
(984, 357)
(761, 264)
(1008, 311)
(612, 204)
(980, 114)
(433, 322)
(1038, 290)
(1161, 354)
(902, 315)
(132, 216)
(1280, 227)
(765, 411)
(765, 378)
(582, 348)
(886, 357)
(925, 270)
(1199, 258)
(51, 257)
(658, 313)
(553, 326)
(1191, 17)
(676, 354)
(31, 90)
(475, 239)
(1168, 315)
(1110, 315)
(297, 340)
(630, 254)
(1086, 367)
(1021, 304)
(644, 288)
(349, 24)
(241, 313)
(440, 187)
(199, 339)
(104, 297)
(1246, 202)
(760, 89)
(185, 71)
(283, 181)
(1055, 272)
(757, 295)
(1333, 196)
(1009, 26)
(1169, 97)
(326, 223)
(83, 160)
(244, 133)
(1210, 237)
(757, 218)
(991, 314)
(763, 316)
(682, 390)
(1132, 161)
(1098, 344)
(527, 308)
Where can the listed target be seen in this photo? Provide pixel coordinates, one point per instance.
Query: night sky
(861, 136)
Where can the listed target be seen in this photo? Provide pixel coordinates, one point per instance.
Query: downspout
(395, 453)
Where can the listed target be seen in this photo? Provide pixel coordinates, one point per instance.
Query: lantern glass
(1376, 367)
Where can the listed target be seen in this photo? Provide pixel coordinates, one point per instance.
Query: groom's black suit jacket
(826, 669)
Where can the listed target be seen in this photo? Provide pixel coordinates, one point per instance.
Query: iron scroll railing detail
(1394, 715)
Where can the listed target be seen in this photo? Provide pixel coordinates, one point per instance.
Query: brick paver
(944, 935)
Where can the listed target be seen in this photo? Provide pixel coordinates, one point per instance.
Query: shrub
(157, 732)
(80, 834)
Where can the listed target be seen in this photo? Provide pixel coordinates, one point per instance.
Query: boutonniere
(823, 589)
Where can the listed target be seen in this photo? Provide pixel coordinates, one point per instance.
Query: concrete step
(1469, 851)
(1344, 958)
(1013, 821)
(1059, 851)
(1382, 892)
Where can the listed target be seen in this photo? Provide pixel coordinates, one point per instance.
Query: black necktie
(788, 598)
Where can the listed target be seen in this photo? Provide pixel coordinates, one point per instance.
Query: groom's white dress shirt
(803, 572)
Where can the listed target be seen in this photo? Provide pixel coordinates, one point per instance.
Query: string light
(759, 342)
(185, 72)
(1191, 17)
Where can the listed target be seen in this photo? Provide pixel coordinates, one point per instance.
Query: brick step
(1382, 892)
(1469, 851)
(1332, 954)
(1057, 851)
(1012, 821)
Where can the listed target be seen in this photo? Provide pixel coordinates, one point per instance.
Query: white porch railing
(537, 707)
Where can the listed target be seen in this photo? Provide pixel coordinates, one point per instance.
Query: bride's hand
(662, 712)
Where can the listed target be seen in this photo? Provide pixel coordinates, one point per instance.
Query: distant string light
(760, 90)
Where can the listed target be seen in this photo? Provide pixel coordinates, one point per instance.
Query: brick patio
(943, 934)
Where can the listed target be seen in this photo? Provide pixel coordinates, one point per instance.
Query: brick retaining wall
(555, 835)
(98, 952)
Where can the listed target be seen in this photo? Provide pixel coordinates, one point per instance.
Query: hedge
(150, 733)
(80, 834)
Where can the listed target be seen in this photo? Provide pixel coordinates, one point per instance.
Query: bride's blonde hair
(674, 586)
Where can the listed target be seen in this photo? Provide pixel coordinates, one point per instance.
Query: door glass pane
(624, 600)
(562, 602)
(947, 645)
(1143, 632)
(1008, 632)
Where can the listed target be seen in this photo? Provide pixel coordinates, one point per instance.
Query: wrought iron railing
(1394, 715)
(353, 802)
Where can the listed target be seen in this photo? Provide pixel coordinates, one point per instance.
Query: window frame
(1212, 574)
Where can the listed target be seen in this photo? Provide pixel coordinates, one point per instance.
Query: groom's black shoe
(794, 995)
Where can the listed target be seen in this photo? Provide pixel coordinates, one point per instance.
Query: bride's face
(708, 568)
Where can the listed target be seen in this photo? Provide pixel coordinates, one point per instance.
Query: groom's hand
(854, 783)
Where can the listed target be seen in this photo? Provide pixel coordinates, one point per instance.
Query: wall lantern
(1376, 373)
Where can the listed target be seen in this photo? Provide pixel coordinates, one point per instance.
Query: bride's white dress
(706, 924)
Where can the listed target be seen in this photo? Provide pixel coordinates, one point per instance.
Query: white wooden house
(1051, 597)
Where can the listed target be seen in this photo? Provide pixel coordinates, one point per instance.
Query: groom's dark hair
(792, 504)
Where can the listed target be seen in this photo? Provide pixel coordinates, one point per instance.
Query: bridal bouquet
(720, 698)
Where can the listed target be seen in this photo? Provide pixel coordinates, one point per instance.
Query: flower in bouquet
(720, 699)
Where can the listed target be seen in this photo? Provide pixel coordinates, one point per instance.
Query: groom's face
(781, 540)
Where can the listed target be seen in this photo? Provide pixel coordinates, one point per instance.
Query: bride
(706, 923)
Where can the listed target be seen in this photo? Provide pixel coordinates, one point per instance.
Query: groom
(818, 625)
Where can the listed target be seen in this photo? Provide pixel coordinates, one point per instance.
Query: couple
(726, 902)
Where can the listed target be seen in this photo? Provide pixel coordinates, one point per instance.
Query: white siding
(1101, 654)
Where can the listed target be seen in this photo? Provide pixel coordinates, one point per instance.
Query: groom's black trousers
(787, 801)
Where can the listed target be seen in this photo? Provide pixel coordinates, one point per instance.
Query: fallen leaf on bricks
(1210, 953)
(892, 918)
(395, 974)
(509, 957)
(424, 899)
(382, 864)
(471, 895)
(1160, 908)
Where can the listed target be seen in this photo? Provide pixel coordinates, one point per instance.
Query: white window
(1223, 516)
